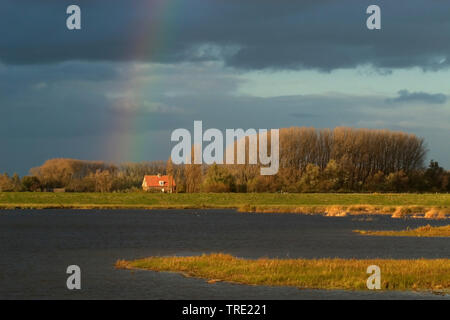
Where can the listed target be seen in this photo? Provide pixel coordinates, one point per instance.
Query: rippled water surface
(37, 246)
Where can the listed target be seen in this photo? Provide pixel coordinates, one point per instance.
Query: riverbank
(433, 206)
(347, 274)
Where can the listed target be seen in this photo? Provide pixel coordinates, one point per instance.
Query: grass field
(304, 273)
(398, 205)
(425, 231)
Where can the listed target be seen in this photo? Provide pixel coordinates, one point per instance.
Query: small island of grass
(348, 274)
(425, 231)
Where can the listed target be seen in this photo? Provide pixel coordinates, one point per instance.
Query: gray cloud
(404, 96)
(252, 34)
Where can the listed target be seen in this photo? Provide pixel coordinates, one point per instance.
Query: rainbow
(151, 37)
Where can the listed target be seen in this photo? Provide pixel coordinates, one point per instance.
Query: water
(37, 246)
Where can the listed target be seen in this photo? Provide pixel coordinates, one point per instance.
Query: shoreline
(395, 212)
(430, 206)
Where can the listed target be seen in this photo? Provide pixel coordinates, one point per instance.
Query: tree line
(82, 176)
(311, 160)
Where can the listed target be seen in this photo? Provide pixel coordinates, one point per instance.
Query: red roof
(154, 181)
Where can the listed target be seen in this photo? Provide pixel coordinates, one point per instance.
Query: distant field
(332, 204)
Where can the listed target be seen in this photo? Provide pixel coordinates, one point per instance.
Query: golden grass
(413, 211)
(335, 211)
(348, 274)
(435, 213)
(425, 231)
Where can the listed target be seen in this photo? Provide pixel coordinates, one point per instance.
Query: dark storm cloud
(251, 34)
(404, 96)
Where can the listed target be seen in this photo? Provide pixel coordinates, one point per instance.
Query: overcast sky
(137, 70)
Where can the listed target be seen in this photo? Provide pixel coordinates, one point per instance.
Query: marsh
(37, 246)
